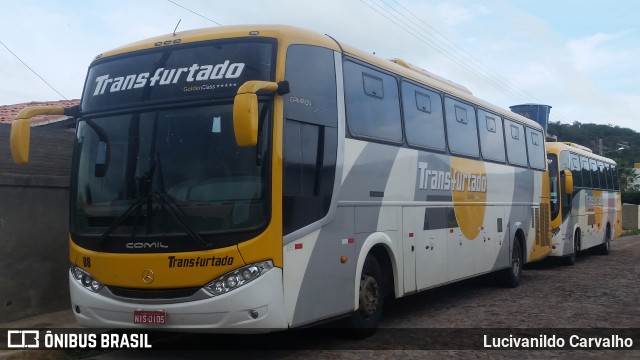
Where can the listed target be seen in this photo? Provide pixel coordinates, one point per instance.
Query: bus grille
(153, 294)
(541, 225)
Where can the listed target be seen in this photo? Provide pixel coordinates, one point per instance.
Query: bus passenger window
(491, 139)
(462, 130)
(603, 175)
(516, 147)
(372, 102)
(576, 172)
(595, 174)
(586, 172)
(424, 126)
(535, 149)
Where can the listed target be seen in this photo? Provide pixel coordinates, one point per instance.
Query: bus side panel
(327, 288)
(618, 217)
(316, 283)
(579, 221)
(495, 232)
(520, 214)
(610, 212)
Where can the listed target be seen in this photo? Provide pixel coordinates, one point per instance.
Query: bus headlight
(237, 278)
(85, 279)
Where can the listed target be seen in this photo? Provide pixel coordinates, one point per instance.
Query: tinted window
(595, 174)
(586, 172)
(166, 170)
(614, 173)
(602, 175)
(310, 136)
(554, 188)
(535, 148)
(576, 171)
(611, 172)
(491, 138)
(423, 120)
(515, 140)
(312, 81)
(373, 104)
(462, 131)
(607, 174)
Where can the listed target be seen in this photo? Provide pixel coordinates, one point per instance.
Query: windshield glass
(171, 173)
(554, 181)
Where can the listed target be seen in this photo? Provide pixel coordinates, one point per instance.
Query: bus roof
(288, 35)
(557, 147)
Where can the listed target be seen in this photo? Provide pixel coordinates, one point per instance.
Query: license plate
(156, 317)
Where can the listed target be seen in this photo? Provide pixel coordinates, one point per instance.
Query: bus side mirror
(20, 136)
(245, 119)
(568, 181)
(19, 140)
(245, 110)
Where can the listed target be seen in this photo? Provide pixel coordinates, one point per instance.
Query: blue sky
(581, 57)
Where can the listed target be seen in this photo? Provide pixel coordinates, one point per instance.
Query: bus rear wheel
(513, 274)
(605, 247)
(364, 321)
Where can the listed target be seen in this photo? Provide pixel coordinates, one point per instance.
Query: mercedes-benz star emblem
(147, 276)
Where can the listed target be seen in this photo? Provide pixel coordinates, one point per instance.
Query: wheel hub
(369, 294)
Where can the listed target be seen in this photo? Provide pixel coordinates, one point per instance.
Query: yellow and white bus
(254, 178)
(586, 209)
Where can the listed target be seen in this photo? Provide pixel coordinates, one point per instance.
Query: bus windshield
(169, 172)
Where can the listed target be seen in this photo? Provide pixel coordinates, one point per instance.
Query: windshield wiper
(134, 207)
(161, 197)
(145, 183)
(166, 203)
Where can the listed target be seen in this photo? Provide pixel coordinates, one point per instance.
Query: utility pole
(599, 146)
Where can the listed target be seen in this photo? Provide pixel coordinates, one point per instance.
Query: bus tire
(605, 247)
(570, 260)
(512, 275)
(364, 321)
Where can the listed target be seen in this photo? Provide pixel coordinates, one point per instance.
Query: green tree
(611, 136)
(627, 177)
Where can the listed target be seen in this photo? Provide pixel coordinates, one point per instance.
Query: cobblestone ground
(598, 292)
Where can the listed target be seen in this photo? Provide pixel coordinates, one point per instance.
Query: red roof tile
(8, 112)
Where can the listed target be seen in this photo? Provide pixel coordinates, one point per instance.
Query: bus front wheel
(364, 321)
(570, 260)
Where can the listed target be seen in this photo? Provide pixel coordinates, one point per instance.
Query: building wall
(630, 216)
(34, 217)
